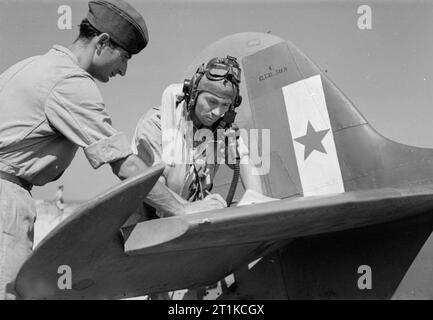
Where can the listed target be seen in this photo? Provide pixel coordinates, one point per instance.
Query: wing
(199, 249)
(84, 238)
(276, 220)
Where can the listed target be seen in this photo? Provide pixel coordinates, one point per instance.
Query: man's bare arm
(164, 200)
(160, 197)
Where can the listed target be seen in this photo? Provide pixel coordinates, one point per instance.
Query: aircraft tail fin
(319, 142)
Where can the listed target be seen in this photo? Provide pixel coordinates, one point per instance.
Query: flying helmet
(220, 76)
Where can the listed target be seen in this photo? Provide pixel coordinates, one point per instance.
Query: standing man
(49, 106)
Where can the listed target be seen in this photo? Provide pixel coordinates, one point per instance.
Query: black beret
(121, 21)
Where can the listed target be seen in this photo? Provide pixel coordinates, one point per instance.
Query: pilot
(49, 106)
(188, 132)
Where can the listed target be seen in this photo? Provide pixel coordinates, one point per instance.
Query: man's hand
(166, 202)
(211, 202)
(216, 196)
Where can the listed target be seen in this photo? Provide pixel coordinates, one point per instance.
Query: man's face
(108, 61)
(209, 108)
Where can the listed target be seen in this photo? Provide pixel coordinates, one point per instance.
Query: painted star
(312, 140)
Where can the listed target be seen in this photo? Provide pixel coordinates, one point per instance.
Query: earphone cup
(191, 87)
(186, 88)
(238, 101)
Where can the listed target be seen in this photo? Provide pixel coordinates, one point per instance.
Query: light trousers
(17, 217)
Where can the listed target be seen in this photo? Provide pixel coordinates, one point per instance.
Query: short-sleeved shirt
(50, 106)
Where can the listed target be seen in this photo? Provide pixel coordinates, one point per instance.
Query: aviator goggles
(226, 68)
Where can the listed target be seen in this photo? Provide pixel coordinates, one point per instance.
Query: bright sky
(387, 71)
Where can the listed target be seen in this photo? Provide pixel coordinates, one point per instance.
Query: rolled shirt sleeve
(76, 109)
(147, 142)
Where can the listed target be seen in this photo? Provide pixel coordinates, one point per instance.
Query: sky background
(387, 72)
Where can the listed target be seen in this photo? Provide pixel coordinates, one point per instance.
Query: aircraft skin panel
(87, 232)
(266, 100)
(417, 282)
(282, 219)
(370, 161)
(263, 281)
(396, 254)
(97, 211)
(106, 272)
(343, 113)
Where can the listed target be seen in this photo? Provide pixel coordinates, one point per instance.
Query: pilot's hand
(211, 202)
(218, 197)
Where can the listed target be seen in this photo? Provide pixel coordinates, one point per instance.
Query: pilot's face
(209, 108)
